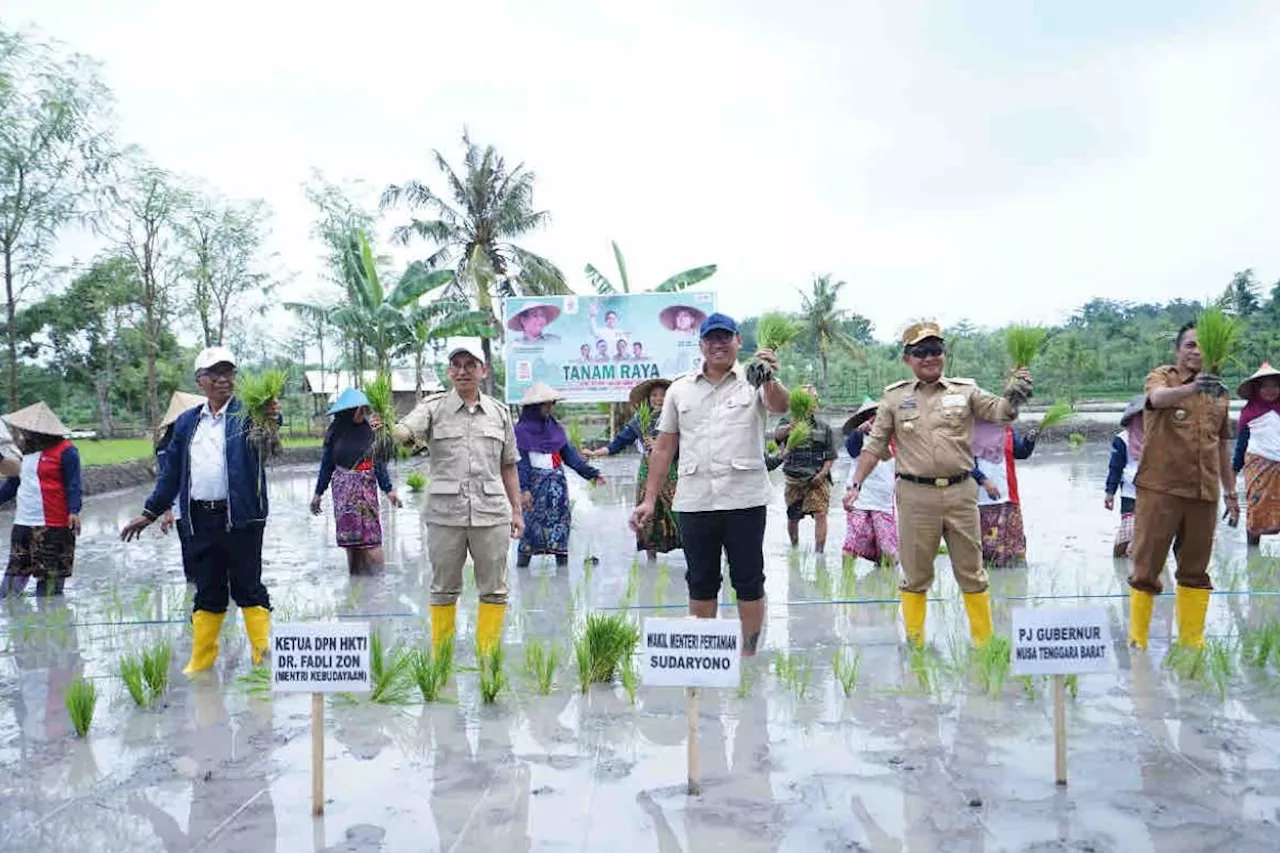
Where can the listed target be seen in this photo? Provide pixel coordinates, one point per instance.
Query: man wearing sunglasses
(930, 420)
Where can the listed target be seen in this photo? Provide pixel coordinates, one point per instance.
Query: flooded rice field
(918, 757)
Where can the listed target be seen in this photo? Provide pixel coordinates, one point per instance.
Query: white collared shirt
(208, 470)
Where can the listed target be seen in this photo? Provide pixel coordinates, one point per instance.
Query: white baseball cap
(209, 356)
(470, 349)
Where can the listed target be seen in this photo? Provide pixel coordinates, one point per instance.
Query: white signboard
(691, 652)
(1061, 642)
(320, 657)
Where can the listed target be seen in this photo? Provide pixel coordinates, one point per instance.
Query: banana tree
(675, 283)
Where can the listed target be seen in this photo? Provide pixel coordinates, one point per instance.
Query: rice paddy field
(838, 738)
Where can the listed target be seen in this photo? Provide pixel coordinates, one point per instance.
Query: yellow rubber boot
(442, 622)
(204, 640)
(914, 606)
(1140, 605)
(257, 624)
(978, 606)
(489, 626)
(1189, 608)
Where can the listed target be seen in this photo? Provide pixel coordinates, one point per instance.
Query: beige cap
(38, 418)
(209, 356)
(918, 332)
(540, 392)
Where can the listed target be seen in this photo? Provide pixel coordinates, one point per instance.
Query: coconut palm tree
(484, 209)
(675, 283)
(823, 321)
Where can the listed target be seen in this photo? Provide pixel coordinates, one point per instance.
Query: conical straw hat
(180, 402)
(38, 418)
(1249, 387)
(865, 411)
(540, 392)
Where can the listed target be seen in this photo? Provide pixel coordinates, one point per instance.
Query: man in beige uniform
(473, 499)
(930, 419)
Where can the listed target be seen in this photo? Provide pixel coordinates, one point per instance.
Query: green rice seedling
(430, 671)
(1260, 644)
(574, 432)
(1221, 666)
(381, 403)
(771, 447)
(1216, 334)
(256, 681)
(493, 674)
(256, 391)
(644, 417)
(155, 669)
(1023, 343)
(611, 638)
(630, 680)
(993, 663)
(1076, 440)
(746, 681)
(773, 331)
(802, 676)
(1056, 414)
(540, 663)
(389, 672)
(81, 697)
(923, 666)
(131, 673)
(1029, 687)
(846, 668)
(1072, 683)
(942, 549)
(582, 657)
(799, 434)
(660, 583)
(415, 481)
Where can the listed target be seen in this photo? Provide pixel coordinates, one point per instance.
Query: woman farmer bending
(1004, 542)
(348, 463)
(1126, 453)
(1258, 452)
(660, 533)
(544, 451)
(48, 491)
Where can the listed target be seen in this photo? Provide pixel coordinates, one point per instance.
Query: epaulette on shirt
(960, 380)
(897, 384)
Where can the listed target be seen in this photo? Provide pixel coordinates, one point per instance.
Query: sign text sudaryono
(320, 658)
(691, 652)
(1061, 642)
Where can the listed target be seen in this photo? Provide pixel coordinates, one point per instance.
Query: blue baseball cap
(717, 321)
(348, 399)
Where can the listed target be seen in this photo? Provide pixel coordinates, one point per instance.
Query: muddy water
(1156, 763)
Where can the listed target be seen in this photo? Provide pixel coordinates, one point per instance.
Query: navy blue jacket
(1116, 464)
(246, 475)
(1242, 444)
(853, 443)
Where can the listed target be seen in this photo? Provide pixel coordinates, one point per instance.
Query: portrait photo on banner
(594, 349)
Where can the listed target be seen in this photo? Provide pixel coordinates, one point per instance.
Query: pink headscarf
(1137, 434)
(988, 441)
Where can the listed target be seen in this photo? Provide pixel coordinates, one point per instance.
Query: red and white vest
(42, 497)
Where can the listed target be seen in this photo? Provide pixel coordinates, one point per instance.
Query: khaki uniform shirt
(721, 432)
(931, 424)
(1180, 451)
(468, 448)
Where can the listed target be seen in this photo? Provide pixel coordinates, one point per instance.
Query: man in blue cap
(716, 418)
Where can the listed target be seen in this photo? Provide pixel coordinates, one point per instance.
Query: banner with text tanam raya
(594, 349)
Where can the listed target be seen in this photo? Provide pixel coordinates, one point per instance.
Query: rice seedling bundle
(802, 406)
(644, 416)
(81, 698)
(131, 674)
(390, 671)
(1056, 414)
(256, 391)
(771, 447)
(630, 680)
(846, 667)
(1216, 333)
(773, 332)
(493, 675)
(540, 662)
(415, 481)
(609, 639)
(430, 671)
(155, 669)
(1023, 343)
(381, 404)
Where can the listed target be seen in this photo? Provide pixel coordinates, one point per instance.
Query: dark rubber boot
(522, 560)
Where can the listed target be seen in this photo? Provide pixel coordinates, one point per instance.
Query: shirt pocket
(443, 487)
(747, 463)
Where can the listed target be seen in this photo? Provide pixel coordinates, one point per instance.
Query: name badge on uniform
(1179, 414)
(953, 400)
(907, 403)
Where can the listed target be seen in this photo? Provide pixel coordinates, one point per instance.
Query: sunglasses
(926, 350)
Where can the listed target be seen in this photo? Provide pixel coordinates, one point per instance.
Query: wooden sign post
(320, 658)
(691, 653)
(1069, 641)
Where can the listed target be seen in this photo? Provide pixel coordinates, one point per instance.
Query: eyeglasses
(468, 366)
(220, 371)
(718, 336)
(926, 350)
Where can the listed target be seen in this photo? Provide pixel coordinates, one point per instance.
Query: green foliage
(675, 283)
(430, 671)
(774, 331)
(415, 481)
(800, 433)
(1216, 333)
(81, 697)
(630, 679)
(795, 671)
(846, 666)
(802, 405)
(1056, 414)
(1023, 344)
(993, 659)
(644, 416)
(540, 663)
(380, 403)
(390, 671)
(493, 674)
(131, 673)
(255, 391)
(605, 642)
(771, 447)
(1260, 644)
(1076, 440)
(155, 669)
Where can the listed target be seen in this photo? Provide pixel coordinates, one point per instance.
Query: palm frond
(538, 276)
(418, 279)
(622, 267)
(689, 277)
(598, 281)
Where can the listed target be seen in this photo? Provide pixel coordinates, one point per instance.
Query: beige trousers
(927, 515)
(447, 549)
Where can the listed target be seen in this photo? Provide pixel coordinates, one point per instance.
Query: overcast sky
(1001, 160)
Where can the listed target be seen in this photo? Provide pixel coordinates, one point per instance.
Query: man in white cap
(473, 499)
(216, 475)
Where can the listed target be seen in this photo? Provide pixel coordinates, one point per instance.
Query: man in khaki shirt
(930, 419)
(1185, 456)
(473, 497)
(716, 419)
